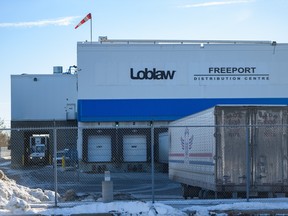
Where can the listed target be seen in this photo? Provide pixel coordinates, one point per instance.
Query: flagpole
(91, 29)
(86, 18)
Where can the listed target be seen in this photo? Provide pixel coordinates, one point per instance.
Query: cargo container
(230, 151)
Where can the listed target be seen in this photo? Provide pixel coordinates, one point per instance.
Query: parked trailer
(208, 151)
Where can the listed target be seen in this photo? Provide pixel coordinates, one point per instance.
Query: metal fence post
(55, 164)
(247, 165)
(152, 162)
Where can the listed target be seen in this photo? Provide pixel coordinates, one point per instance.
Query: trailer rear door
(231, 145)
(270, 146)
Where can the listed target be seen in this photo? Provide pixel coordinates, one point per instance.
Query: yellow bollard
(63, 162)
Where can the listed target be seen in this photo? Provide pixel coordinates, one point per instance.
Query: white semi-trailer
(231, 151)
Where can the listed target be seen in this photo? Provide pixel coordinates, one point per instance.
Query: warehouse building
(123, 87)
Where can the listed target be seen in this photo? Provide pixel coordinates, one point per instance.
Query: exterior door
(99, 149)
(134, 148)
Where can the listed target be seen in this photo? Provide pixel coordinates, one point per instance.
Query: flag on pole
(84, 20)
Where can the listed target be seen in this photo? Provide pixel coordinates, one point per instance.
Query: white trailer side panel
(192, 150)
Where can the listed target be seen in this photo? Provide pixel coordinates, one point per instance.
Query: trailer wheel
(189, 191)
(185, 191)
(200, 194)
(193, 191)
(206, 194)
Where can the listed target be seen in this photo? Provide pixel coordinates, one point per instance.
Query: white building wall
(43, 97)
(105, 70)
(165, 82)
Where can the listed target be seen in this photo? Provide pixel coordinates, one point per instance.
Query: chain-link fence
(151, 163)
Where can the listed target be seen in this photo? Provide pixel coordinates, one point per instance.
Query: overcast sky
(39, 34)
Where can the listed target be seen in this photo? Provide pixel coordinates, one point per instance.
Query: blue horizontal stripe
(202, 163)
(176, 161)
(157, 109)
(206, 163)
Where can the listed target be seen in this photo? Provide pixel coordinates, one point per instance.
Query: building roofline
(105, 40)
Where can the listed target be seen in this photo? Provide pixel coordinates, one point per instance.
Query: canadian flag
(84, 20)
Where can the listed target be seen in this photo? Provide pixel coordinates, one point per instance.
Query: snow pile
(16, 198)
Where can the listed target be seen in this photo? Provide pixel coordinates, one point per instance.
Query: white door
(134, 148)
(70, 112)
(99, 149)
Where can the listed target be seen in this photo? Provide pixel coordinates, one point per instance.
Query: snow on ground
(19, 200)
(123, 208)
(238, 206)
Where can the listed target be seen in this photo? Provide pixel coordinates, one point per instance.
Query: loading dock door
(99, 149)
(163, 147)
(134, 148)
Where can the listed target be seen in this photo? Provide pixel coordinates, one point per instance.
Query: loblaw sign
(153, 74)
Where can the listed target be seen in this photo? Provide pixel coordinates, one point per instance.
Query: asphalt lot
(130, 185)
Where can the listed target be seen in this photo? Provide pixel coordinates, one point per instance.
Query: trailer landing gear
(190, 191)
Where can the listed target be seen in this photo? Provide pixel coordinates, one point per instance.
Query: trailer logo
(186, 142)
(153, 74)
